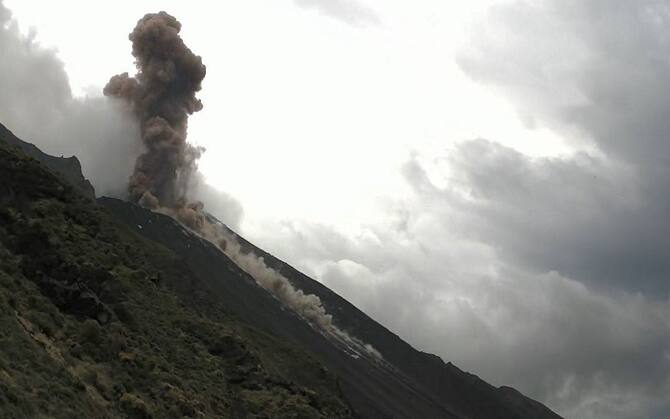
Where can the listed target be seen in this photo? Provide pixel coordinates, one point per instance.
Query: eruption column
(162, 96)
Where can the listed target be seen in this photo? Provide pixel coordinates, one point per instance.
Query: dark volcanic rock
(67, 167)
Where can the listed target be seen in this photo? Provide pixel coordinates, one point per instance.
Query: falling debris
(308, 306)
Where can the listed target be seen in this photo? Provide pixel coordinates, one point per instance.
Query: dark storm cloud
(349, 11)
(578, 337)
(606, 219)
(599, 66)
(598, 73)
(588, 218)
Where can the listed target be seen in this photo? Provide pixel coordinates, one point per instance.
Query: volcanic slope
(89, 328)
(137, 315)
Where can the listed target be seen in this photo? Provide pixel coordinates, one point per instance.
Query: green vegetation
(90, 326)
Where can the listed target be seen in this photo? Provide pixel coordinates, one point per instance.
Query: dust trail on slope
(307, 306)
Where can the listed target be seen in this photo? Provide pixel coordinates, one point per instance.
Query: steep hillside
(407, 384)
(463, 392)
(373, 389)
(111, 310)
(89, 328)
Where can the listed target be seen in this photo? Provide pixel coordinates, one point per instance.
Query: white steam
(37, 105)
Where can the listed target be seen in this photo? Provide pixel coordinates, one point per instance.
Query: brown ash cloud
(162, 95)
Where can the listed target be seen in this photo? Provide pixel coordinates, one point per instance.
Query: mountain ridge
(67, 167)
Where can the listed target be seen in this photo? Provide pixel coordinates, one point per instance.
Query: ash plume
(162, 96)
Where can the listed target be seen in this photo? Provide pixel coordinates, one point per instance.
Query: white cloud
(349, 11)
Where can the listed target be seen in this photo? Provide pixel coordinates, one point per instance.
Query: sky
(488, 179)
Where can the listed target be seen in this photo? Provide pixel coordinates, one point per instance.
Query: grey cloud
(596, 66)
(349, 11)
(36, 103)
(584, 352)
(220, 204)
(589, 345)
(5, 15)
(588, 218)
(599, 69)
(595, 72)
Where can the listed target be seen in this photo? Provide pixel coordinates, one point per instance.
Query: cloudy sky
(487, 179)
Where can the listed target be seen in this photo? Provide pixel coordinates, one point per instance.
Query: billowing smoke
(162, 96)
